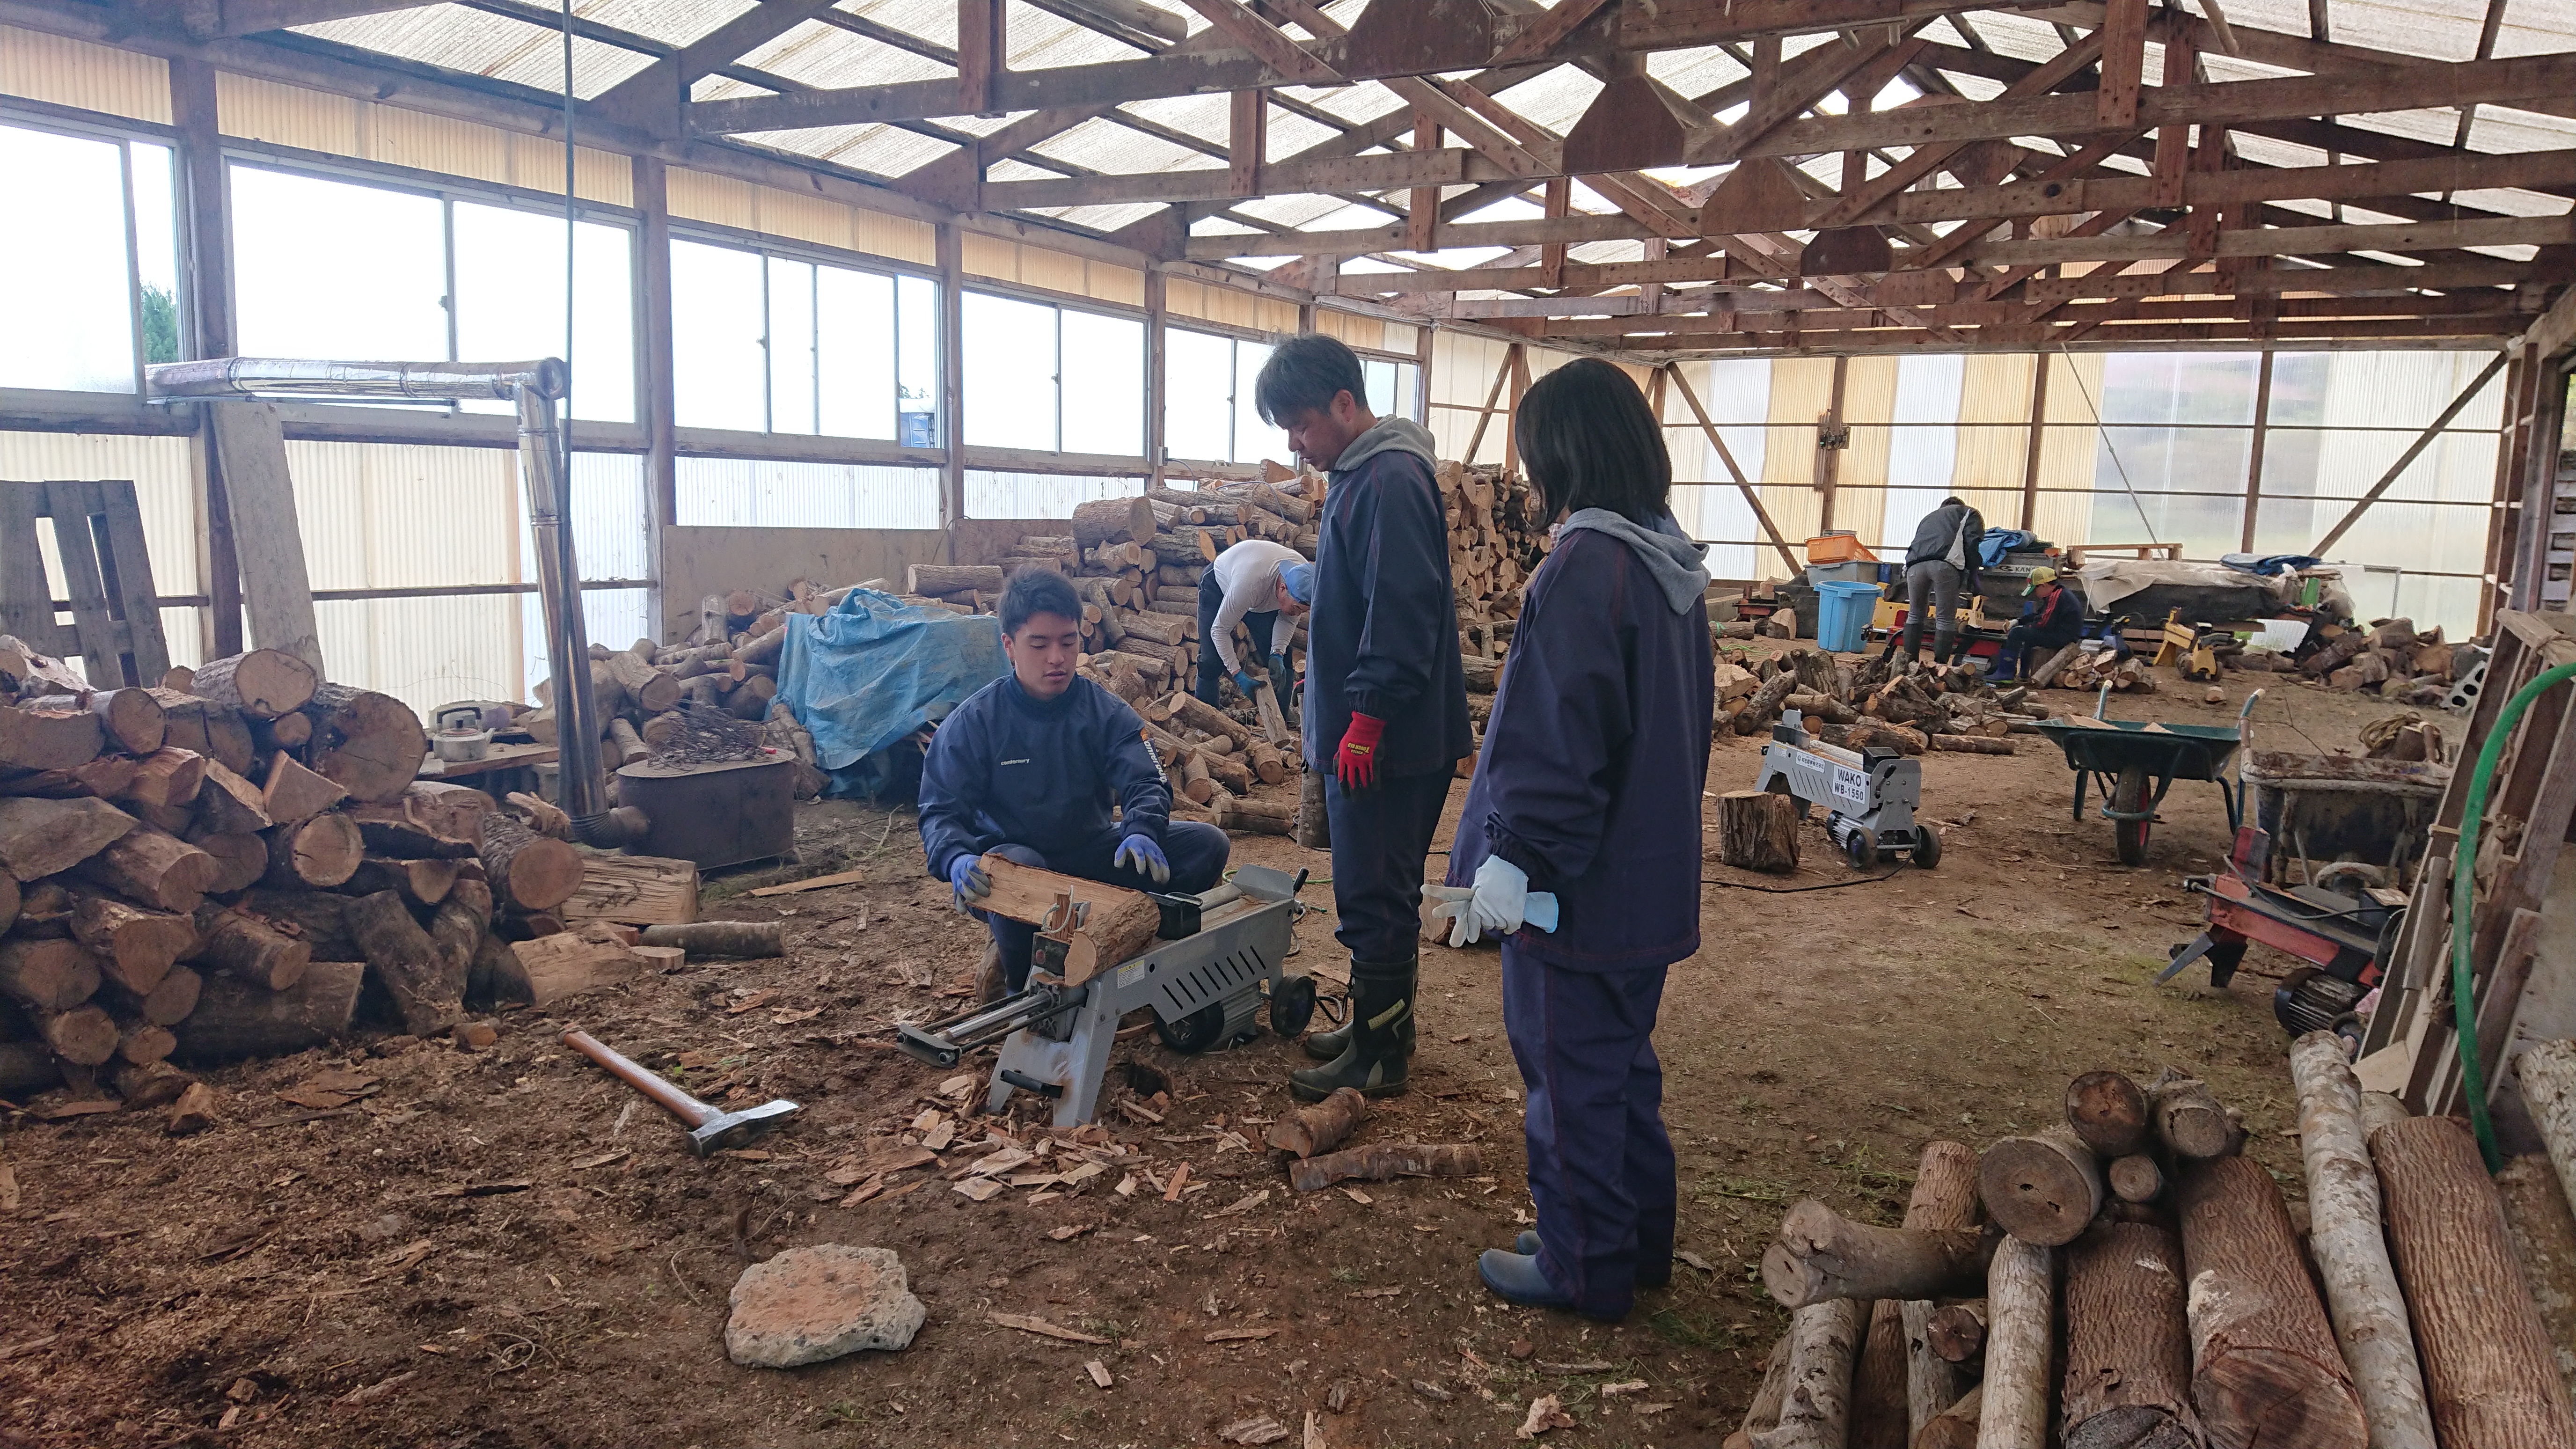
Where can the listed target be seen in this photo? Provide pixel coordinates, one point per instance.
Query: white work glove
(1501, 900)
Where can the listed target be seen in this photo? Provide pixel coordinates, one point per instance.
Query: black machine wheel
(1927, 846)
(1195, 1032)
(1292, 1006)
(2130, 796)
(1862, 847)
(1781, 787)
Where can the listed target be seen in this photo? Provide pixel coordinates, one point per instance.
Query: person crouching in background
(1588, 787)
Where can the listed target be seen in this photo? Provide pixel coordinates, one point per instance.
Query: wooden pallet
(107, 571)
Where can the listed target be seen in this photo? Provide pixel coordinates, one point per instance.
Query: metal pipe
(242, 376)
(583, 785)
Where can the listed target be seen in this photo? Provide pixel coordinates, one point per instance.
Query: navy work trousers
(1381, 836)
(1197, 852)
(1600, 1164)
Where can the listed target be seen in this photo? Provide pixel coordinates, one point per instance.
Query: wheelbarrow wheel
(2129, 796)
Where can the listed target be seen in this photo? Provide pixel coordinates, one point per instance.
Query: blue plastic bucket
(1842, 616)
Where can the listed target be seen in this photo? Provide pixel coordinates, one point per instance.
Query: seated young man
(2053, 619)
(1029, 765)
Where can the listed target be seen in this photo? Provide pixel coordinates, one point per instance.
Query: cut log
(43, 738)
(153, 869)
(427, 984)
(1956, 1426)
(286, 732)
(1385, 1160)
(2020, 1302)
(150, 1085)
(749, 940)
(1108, 520)
(1265, 760)
(10, 898)
(1815, 1401)
(1191, 778)
(1763, 1414)
(319, 917)
(323, 851)
(368, 744)
(2265, 1368)
(549, 969)
(1944, 1197)
(1822, 1255)
(240, 860)
(2488, 1365)
(2136, 1178)
(194, 1111)
(1764, 706)
(1234, 775)
(1878, 1400)
(1255, 817)
(250, 948)
(1956, 1332)
(135, 948)
(83, 1035)
(392, 830)
(133, 719)
(421, 882)
(190, 722)
(141, 1043)
(1119, 924)
(42, 837)
(1757, 830)
(634, 890)
(227, 804)
(528, 871)
(649, 689)
(2548, 1073)
(2128, 1348)
(2350, 1250)
(1306, 1131)
(168, 1003)
(47, 974)
(2108, 1112)
(2043, 1189)
(625, 746)
(952, 579)
(1200, 715)
(2188, 1121)
(1313, 828)
(235, 1019)
(264, 682)
(293, 793)
(163, 777)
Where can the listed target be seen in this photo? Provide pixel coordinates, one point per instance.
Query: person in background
(1386, 699)
(1589, 787)
(1255, 583)
(1940, 563)
(1028, 767)
(2053, 619)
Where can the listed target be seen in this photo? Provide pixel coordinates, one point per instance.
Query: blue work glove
(1139, 853)
(1500, 902)
(1244, 681)
(967, 882)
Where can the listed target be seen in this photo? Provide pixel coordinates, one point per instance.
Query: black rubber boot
(1325, 1046)
(1376, 1054)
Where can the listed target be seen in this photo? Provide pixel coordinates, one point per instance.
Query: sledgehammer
(709, 1129)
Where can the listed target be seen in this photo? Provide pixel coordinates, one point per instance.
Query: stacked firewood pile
(2088, 664)
(1496, 541)
(2389, 658)
(2138, 1284)
(644, 695)
(1871, 701)
(216, 868)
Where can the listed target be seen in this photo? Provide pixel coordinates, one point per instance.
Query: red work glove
(1356, 763)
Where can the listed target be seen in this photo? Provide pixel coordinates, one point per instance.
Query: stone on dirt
(810, 1304)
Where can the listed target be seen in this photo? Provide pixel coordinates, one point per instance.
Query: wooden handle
(674, 1101)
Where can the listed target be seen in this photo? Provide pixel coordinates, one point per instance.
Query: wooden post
(661, 451)
(1551, 256)
(1248, 140)
(1422, 210)
(207, 262)
(1519, 361)
(1422, 352)
(983, 53)
(1829, 463)
(2254, 464)
(952, 379)
(1157, 384)
(2124, 61)
(2038, 435)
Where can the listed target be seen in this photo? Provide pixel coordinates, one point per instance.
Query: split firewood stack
(1496, 540)
(1871, 702)
(215, 867)
(2389, 658)
(2137, 1283)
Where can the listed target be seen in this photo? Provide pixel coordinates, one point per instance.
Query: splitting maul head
(733, 1129)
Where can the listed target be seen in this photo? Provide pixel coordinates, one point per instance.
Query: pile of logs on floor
(2136, 1283)
(2389, 658)
(729, 663)
(1872, 701)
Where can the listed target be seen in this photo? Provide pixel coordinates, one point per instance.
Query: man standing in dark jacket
(1386, 700)
(1028, 767)
(1942, 560)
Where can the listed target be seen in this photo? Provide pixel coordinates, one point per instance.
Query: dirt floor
(509, 1248)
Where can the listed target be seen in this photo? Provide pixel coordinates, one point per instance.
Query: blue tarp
(2269, 565)
(2000, 541)
(875, 669)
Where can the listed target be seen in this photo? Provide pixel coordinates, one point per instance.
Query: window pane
(917, 361)
(854, 352)
(330, 270)
(156, 249)
(510, 302)
(791, 346)
(751, 493)
(1254, 439)
(1408, 382)
(1104, 390)
(1198, 402)
(1010, 373)
(718, 372)
(1039, 495)
(66, 282)
(1380, 379)
(2178, 387)
(2381, 389)
(1921, 457)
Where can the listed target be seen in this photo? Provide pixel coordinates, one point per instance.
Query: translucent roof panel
(1105, 146)
(483, 44)
(830, 58)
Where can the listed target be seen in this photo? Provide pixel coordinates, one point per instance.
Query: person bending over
(2053, 619)
(1942, 560)
(1589, 787)
(1386, 699)
(1255, 583)
(1028, 768)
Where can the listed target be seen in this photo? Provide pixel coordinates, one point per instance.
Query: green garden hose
(2464, 885)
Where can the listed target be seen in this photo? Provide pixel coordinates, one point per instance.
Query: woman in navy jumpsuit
(1588, 786)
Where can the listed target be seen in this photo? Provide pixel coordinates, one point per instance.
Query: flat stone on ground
(810, 1304)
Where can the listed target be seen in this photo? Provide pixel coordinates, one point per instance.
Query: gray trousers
(1931, 587)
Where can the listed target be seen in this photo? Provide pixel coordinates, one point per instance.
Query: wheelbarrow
(2136, 761)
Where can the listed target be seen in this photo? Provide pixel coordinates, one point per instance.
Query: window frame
(1062, 302)
(1237, 336)
(25, 114)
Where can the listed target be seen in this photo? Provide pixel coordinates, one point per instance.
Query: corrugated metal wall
(1008, 261)
(261, 110)
(748, 206)
(1185, 298)
(91, 77)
